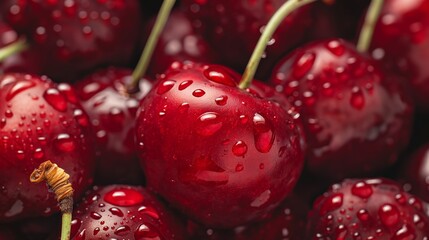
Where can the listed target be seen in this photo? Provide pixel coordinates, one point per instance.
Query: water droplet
(2, 122)
(183, 85)
(122, 230)
(8, 113)
(116, 211)
(264, 137)
(96, 231)
(303, 65)
(68, 92)
(219, 75)
(244, 119)
(406, 232)
(38, 153)
(208, 124)
(65, 143)
(389, 215)
(357, 100)
(95, 216)
(19, 87)
(20, 154)
(165, 86)
(222, 100)
(362, 190)
(145, 232)
(149, 211)
(183, 108)
(124, 197)
(333, 202)
(239, 149)
(198, 93)
(55, 99)
(336, 48)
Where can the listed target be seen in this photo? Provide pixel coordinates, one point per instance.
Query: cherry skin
(124, 212)
(179, 41)
(39, 120)
(222, 155)
(112, 112)
(286, 222)
(415, 172)
(368, 209)
(79, 35)
(357, 119)
(234, 27)
(401, 40)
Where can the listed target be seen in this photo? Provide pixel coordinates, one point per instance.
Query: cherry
(368, 209)
(401, 40)
(286, 222)
(415, 172)
(79, 35)
(179, 41)
(222, 155)
(357, 119)
(234, 27)
(112, 111)
(124, 212)
(39, 120)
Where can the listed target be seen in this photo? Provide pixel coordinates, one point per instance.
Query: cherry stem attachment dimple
(13, 48)
(149, 48)
(266, 36)
(368, 27)
(58, 181)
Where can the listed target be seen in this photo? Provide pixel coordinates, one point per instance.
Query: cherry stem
(13, 48)
(278, 17)
(368, 27)
(58, 181)
(148, 50)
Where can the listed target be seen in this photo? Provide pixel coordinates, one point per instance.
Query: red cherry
(39, 120)
(368, 209)
(79, 35)
(222, 155)
(234, 27)
(112, 111)
(401, 40)
(124, 212)
(179, 42)
(415, 172)
(356, 118)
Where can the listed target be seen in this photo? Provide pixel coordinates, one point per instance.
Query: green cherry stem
(266, 36)
(13, 48)
(58, 181)
(148, 50)
(368, 27)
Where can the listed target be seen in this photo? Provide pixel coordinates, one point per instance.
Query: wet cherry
(124, 212)
(356, 117)
(368, 209)
(112, 112)
(79, 35)
(39, 120)
(221, 162)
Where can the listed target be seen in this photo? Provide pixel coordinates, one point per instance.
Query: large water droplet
(95, 216)
(19, 87)
(145, 232)
(122, 230)
(124, 197)
(336, 48)
(363, 215)
(165, 86)
(54, 98)
(264, 137)
(362, 190)
(389, 215)
(183, 85)
(222, 100)
(198, 93)
(116, 211)
(303, 65)
(219, 75)
(331, 203)
(239, 149)
(261, 199)
(65, 143)
(406, 232)
(208, 124)
(357, 99)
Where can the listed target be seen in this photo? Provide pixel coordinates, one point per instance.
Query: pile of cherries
(331, 143)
